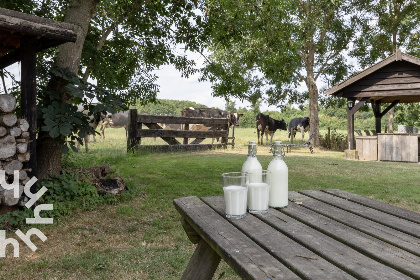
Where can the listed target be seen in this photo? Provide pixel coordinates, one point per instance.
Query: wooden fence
(389, 147)
(219, 128)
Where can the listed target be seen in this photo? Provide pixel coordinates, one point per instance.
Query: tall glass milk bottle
(279, 185)
(251, 161)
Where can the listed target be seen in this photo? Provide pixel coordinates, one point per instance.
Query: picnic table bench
(328, 234)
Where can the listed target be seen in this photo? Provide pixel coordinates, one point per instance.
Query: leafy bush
(334, 141)
(67, 192)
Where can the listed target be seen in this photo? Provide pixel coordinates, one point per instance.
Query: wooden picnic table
(328, 234)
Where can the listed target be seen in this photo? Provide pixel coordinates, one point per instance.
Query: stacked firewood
(14, 149)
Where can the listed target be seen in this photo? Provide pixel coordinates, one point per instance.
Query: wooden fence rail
(219, 128)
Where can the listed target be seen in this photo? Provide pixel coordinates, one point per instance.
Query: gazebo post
(376, 106)
(28, 98)
(350, 123)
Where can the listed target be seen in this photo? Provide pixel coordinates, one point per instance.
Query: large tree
(49, 151)
(267, 48)
(120, 43)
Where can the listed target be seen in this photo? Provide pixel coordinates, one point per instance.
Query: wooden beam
(132, 140)
(28, 100)
(167, 133)
(169, 140)
(181, 120)
(9, 58)
(30, 25)
(390, 87)
(350, 129)
(376, 106)
(389, 107)
(381, 94)
(359, 104)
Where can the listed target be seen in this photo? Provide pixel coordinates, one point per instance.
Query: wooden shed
(394, 80)
(21, 37)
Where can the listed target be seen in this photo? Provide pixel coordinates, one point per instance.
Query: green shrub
(67, 192)
(334, 141)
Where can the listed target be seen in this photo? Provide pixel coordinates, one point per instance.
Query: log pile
(14, 151)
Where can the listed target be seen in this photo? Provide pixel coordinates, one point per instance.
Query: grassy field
(140, 236)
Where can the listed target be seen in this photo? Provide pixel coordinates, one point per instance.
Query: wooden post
(203, 263)
(329, 138)
(378, 115)
(225, 139)
(28, 100)
(132, 140)
(350, 128)
(233, 137)
(186, 127)
(350, 120)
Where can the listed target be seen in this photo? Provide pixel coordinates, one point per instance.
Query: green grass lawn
(140, 236)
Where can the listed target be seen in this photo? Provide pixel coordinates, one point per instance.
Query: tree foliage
(266, 49)
(126, 42)
(386, 26)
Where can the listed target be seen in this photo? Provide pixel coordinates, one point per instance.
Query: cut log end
(7, 103)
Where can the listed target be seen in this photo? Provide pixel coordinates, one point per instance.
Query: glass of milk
(258, 183)
(235, 191)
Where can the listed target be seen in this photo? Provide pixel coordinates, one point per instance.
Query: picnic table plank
(390, 235)
(384, 207)
(299, 259)
(248, 259)
(348, 259)
(389, 220)
(372, 247)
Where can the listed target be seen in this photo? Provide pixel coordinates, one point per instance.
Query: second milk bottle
(279, 185)
(251, 161)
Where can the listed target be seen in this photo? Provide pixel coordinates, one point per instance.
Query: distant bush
(334, 141)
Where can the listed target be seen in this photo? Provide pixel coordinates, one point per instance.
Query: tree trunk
(391, 121)
(313, 94)
(313, 109)
(394, 50)
(79, 13)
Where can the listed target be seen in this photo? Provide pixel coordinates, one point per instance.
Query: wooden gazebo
(391, 81)
(21, 37)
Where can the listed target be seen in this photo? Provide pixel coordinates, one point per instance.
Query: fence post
(132, 140)
(233, 136)
(186, 127)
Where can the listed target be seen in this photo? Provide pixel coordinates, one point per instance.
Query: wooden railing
(218, 128)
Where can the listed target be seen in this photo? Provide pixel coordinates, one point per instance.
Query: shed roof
(46, 33)
(396, 78)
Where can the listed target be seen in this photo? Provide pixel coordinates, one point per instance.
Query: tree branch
(321, 69)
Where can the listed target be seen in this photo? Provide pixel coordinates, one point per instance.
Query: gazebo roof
(15, 26)
(394, 79)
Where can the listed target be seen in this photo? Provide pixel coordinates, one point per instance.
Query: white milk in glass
(258, 194)
(235, 201)
(251, 161)
(279, 183)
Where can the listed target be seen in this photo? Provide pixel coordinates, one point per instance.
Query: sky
(173, 86)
